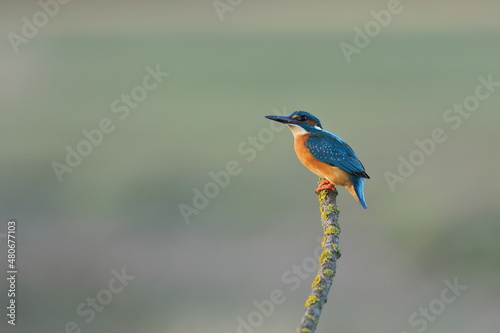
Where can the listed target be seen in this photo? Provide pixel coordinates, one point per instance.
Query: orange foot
(325, 185)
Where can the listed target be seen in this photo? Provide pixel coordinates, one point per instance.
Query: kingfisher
(325, 154)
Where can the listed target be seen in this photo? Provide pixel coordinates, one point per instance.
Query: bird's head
(300, 122)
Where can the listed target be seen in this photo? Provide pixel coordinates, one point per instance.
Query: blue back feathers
(331, 149)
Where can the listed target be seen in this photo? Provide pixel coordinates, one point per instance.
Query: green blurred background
(119, 209)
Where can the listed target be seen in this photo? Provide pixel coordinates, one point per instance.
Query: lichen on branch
(327, 261)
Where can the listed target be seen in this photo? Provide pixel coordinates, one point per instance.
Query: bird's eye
(299, 118)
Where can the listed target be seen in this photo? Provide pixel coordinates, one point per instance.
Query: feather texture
(329, 148)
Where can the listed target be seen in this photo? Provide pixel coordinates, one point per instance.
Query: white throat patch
(298, 130)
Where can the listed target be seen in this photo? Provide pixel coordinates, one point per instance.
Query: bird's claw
(325, 185)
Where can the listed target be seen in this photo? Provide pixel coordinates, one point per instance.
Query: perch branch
(327, 261)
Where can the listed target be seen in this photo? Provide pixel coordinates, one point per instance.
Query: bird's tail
(357, 190)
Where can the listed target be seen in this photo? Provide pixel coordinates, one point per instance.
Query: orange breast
(335, 175)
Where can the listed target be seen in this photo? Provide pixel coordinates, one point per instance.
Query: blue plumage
(325, 153)
(359, 184)
(331, 149)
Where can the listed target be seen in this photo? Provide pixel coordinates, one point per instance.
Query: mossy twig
(327, 261)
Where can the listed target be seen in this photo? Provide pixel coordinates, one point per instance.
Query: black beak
(283, 119)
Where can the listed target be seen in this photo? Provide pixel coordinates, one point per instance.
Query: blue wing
(331, 149)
